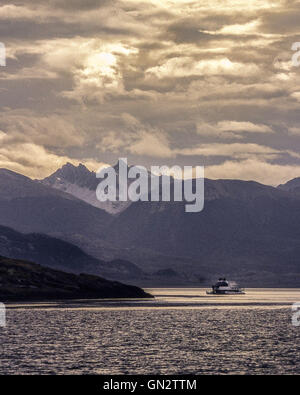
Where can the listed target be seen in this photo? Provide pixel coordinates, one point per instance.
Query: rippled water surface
(181, 331)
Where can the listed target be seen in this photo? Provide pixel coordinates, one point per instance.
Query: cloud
(170, 80)
(185, 67)
(139, 139)
(246, 28)
(234, 150)
(233, 126)
(231, 129)
(253, 169)
(49, 131)
(154, 145)
(29, 159)
(73, 5)
(12, 11)
(94, 67)
(294, 131)
(34, 161)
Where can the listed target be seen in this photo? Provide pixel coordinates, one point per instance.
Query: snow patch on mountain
(82, 184)
(89, 196)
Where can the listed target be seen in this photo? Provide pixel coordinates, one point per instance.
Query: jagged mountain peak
(70, 169)
(82, 183)
(79, 175)
(70, 165)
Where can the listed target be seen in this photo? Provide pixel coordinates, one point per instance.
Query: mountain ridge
(292, 186)
(246, 229)
(29, 206)
(24, 281)
(61, 255)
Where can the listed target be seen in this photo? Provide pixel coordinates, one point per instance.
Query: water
(181, 331)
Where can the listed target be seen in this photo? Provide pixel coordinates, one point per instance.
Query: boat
(224, 287)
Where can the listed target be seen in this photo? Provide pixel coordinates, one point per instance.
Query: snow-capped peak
(82, 183)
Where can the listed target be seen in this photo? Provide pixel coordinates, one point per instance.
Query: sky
(160, 82)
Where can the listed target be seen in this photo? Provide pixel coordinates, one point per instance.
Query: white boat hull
(225, 293)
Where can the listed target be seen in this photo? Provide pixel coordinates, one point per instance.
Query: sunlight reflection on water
(172, 334)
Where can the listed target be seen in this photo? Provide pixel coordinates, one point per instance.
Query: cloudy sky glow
(184, 82)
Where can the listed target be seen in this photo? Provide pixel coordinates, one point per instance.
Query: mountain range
(247, 231)
(29, 206)
(61, 255)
